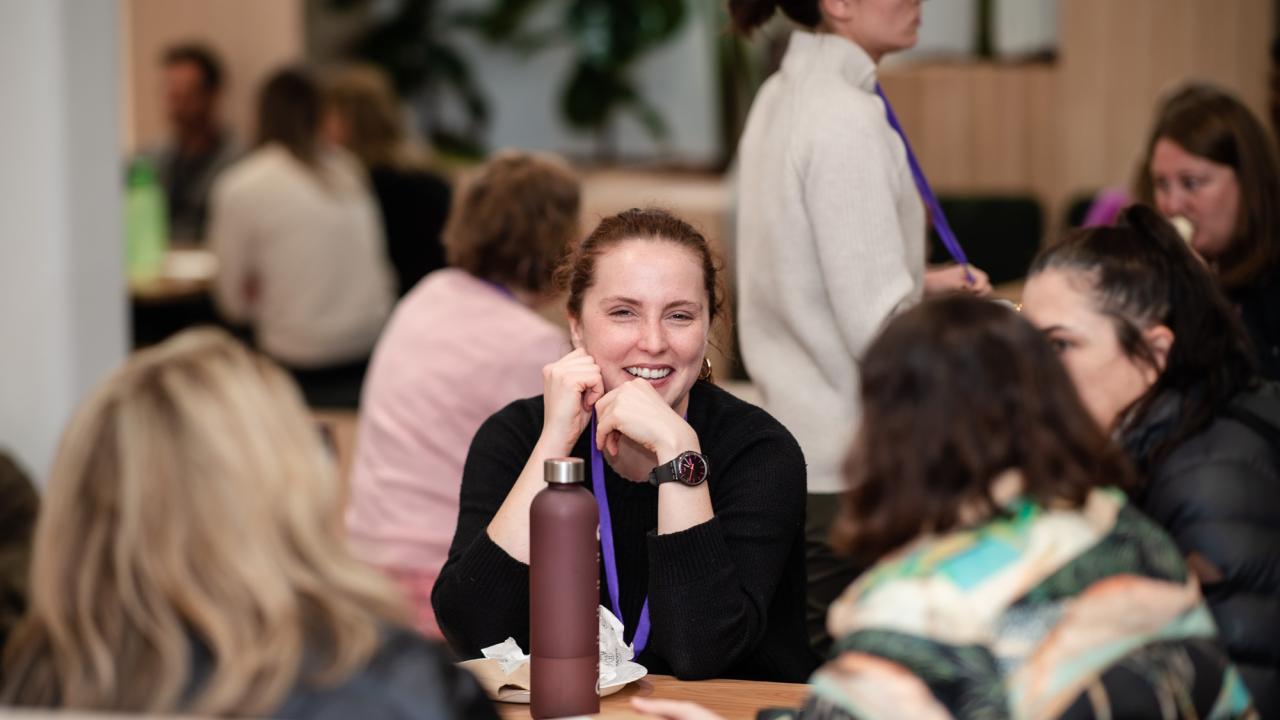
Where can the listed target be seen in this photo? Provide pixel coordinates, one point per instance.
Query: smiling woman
(721, 580)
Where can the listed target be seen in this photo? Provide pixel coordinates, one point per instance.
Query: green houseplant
(409, 42)
(607, 37)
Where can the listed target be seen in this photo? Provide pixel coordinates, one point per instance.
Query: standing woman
(299, 247)
(831, 239)
(1211, 161)
(705, 565)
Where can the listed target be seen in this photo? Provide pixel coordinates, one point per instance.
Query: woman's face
(646, 315)
(1059, 303)
(884, 26)
(1199, 189)
(334, 127)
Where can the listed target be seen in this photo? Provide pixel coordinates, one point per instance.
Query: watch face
(691, 468)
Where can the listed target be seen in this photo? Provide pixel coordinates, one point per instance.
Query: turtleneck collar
(807, 50)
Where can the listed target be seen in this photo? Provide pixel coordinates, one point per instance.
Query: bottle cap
(563, 471)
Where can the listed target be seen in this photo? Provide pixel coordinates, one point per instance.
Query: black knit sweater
(726, 597)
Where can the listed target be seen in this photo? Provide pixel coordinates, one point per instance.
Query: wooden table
(728, 698)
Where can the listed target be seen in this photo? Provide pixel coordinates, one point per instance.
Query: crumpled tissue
(503, 672)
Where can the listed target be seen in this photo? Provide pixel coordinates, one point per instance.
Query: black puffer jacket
(1218, 495)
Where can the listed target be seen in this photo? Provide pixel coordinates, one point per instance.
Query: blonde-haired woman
(189, 559)
(363, 115)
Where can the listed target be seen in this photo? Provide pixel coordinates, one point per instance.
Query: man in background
(199, 146)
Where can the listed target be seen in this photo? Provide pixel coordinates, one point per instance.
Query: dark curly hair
(954, 392)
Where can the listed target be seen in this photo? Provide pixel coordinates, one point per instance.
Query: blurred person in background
(1211, 161)
(189, 559)
(364, 115)
(465, 342)
(300, 249)
(19, 505)
(1011, 576)
(830, 239)
(1163, 364)
(199, 146)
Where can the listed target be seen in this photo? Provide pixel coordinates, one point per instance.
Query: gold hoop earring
(706, 372)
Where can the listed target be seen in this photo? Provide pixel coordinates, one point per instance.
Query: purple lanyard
(503, 289)
(926, 193)
(641, 638)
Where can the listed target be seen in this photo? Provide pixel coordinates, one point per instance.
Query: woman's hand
(571, 386)
(952, 278)
(672, 709)
(636, 410)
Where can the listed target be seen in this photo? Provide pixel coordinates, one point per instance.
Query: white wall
(947, 29)
(1018, 28)
(1025, 27)
(678, 78)
(62, 290)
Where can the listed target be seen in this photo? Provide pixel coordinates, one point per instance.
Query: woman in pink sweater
(460, 346)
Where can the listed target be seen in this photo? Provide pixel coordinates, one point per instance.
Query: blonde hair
(364, 98)
(192, 502)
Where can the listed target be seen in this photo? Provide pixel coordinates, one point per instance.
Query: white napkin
(615, 653)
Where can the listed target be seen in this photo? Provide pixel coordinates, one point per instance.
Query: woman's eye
(621, 312)
(681, 317)
(1059, 345)
(1192, 184)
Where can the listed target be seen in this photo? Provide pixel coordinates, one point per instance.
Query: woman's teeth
(649, 374)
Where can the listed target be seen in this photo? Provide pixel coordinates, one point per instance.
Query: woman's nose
(1171, 203)
(653, 337)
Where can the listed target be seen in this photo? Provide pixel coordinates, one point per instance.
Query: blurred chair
(1000, 233)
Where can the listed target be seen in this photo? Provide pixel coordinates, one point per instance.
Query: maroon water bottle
(564, 594)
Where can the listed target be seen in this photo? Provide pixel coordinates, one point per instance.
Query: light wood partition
(1075, 124)
(253, 38)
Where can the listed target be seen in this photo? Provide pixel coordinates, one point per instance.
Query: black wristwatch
(689, 468)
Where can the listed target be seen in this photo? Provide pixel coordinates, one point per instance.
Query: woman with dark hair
(462, 344)
(1161, 362)
(830, 238)
(299, 247)
(1211, 161)
(1009, 580)
(701, 494)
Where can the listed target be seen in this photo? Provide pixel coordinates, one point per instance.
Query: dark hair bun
(1157, 230)
(751, 14)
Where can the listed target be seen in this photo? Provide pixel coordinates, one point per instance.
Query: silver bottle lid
(563, 471)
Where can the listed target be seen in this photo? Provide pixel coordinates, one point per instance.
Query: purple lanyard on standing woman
(940, 223)
(641, 638)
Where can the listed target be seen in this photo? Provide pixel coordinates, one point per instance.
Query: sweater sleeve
(230, 239)
(710, 586)
(482, 595)
(849, 177)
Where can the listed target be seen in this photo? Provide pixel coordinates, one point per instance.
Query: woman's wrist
(551, 444)
(681, 440)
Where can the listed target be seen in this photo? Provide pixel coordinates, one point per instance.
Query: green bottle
(146, 223)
